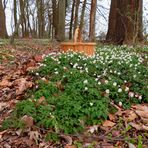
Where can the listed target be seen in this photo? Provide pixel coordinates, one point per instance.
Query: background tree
(125, 21)
(3, 31)
(92, 20)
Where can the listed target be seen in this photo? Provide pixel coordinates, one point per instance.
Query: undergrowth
(76, 90)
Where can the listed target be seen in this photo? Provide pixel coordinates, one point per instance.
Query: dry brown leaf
(67, 138)
(138, 127)
(40, 101)
(145, 120)
(112, 117)
(70, 146)
(140, 107)
(130, 116)
(93, 129)
(143, 114)
(130, 145)
(108, 123)
(28, 121)
(22, 85)
(2, 106)
(5, 83)
(2, 133)
(34, 135)
(106, 145)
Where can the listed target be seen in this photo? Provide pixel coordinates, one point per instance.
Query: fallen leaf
(138, 127)
(41, 100)
(34, 135)
(28, 121)
(2, 106)
(93, 129)
(70, 146)
(22, 85)
(130, 145)
(5, 83)
(38, 58)
(106, 145)
(112, 117)
(140, 107)
(130, 116)
(108, 123)
(67, 138)
(143, 114)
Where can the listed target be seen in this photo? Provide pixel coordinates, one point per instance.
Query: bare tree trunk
(71, 20)
(3, 31)
(15, 13)
(61, 20)
(92, 20)
(82, 15)
(55, 18)
(40, 15)
(76, 15)
(125, 22)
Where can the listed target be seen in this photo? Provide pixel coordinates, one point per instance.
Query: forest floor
(125, 128)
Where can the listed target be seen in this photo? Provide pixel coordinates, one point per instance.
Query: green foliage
(53, 137)
(12, 123)
(78, 89)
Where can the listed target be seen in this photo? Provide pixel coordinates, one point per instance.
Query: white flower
(120, 104)
(85, 81)
(37, 74)
(44, 79)
(115, 84)
(140, 97)
(86, 88)
(56, 72)
(75, 65)
(96, 79)
(107, 91)
(134, 76)
(99, 83)
(106, 81)
(119, 90)
(91, 104)
(131, 94)
(126, 88)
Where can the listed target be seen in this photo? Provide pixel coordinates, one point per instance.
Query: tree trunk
(55, 18)
(125, 22)
(41, 21)
(15, 14)
(82, 15)
(92, 20)
(61, 20)
(3, 31)
(76, 15)
(71, 20)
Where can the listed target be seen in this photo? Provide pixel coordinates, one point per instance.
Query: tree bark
(92, 20)
(41, 21)
(76, 15)
(71, 20)
(3, 31)
(125, 22)
(82, 15)
(61, 20)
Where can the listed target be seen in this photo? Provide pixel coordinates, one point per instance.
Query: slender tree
(125, 21)
(77, 3)
(92, 20)
(71, 20)
(3, 31)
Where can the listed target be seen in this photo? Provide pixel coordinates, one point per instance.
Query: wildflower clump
(77, 89)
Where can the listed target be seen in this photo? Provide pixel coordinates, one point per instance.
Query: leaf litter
(118, 130)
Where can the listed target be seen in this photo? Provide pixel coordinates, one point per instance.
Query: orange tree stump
(81, 47)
